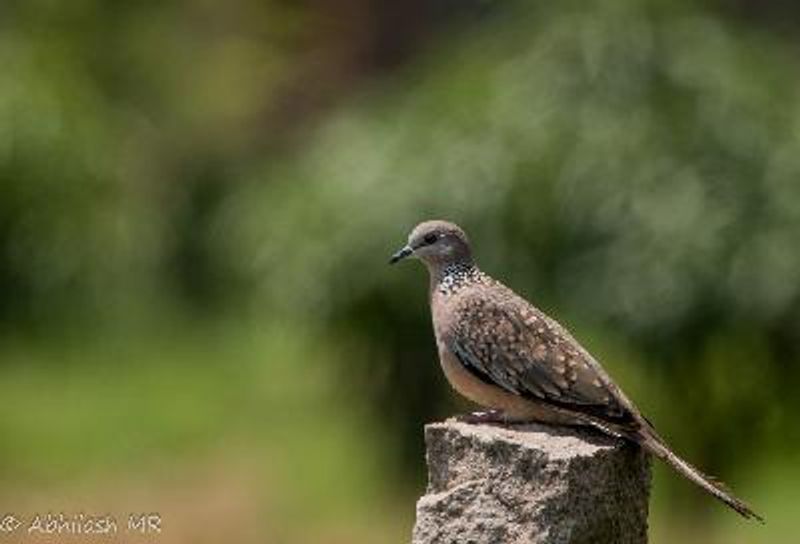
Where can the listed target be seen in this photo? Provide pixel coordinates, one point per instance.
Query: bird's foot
(489, 416)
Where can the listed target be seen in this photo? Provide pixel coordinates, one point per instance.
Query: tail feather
(655, 445)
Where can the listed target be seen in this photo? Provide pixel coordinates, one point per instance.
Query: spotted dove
(504, 354)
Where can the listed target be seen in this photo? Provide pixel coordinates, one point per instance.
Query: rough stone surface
(531, 484)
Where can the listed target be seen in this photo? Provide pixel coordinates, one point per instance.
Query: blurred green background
(198, 199)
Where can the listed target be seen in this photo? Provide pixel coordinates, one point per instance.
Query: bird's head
(436, 243)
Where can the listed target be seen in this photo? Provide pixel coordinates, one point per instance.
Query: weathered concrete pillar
(531, 484)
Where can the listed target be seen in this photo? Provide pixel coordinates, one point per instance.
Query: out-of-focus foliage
(646, 162)
(631, 166)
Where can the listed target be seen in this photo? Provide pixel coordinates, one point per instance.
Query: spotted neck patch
(455, 276)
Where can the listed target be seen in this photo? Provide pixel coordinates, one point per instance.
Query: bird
(504, 354)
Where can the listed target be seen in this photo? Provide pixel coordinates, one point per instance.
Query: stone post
(531, 484)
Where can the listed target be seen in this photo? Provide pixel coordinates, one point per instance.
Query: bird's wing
(512, 345)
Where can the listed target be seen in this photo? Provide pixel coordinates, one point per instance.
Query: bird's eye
(430, 238)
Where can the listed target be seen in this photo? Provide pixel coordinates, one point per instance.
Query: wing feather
(512, 345)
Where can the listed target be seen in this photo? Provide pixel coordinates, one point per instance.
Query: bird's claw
(489, 416)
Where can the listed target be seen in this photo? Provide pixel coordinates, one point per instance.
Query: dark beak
(400, 255)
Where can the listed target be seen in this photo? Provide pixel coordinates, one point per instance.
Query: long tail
(655, 445)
